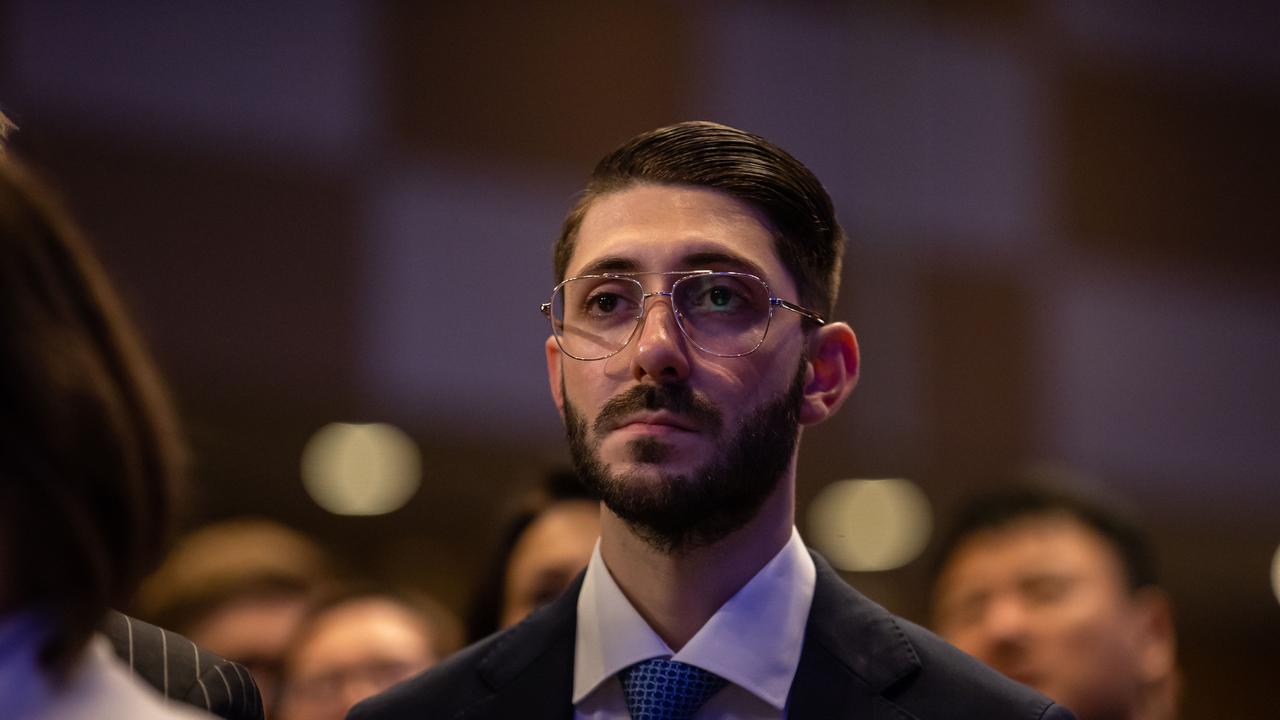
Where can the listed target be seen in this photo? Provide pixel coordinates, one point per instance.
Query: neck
(677, 593)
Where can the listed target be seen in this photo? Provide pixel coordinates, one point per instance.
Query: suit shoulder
(231, 690)
(440, 692)
(181, 670)
(953, 684)
(530, 659)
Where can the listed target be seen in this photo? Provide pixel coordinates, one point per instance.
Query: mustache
(678, 399)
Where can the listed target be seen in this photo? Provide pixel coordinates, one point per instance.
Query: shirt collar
(611, 635)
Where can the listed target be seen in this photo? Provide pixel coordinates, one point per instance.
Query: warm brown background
(1065, 245)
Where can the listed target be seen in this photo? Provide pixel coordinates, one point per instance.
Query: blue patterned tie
(662, 689)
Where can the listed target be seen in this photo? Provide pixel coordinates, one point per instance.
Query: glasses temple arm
(797, 309)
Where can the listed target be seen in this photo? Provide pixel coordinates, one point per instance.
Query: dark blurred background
(1064, 247)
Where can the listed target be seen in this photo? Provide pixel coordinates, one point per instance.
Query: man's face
(1044, 601)
(683, 445)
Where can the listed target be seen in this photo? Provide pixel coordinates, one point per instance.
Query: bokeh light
(361, 469)
(1275, 574)
(870, 525)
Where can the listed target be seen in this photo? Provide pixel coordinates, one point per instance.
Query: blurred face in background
(1045, 601)
(255, 631)
(349, 652)
(547, 557)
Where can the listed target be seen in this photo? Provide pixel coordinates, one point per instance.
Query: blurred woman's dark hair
(90, 454)
(484, 615)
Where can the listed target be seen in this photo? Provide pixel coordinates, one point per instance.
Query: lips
(655, 422)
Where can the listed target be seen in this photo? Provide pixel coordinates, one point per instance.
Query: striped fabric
(182, 671)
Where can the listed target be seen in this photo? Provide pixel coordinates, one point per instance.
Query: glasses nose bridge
(644, 298)
(642, 318)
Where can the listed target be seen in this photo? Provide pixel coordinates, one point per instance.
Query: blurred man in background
(1062, 595)
(241, 588)
(358, 644)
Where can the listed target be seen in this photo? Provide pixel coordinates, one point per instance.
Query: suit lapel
(853, 650)
(531, 670)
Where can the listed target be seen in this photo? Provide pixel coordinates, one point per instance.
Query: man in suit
(183, 671)
(690, 344)
(1060, 592)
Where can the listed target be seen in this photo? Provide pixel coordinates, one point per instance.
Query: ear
(1156, 637)
(555, 374)
(833, 371)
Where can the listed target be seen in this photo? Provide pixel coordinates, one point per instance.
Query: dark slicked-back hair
(747, 167)
(89, 453)
(1002, 508)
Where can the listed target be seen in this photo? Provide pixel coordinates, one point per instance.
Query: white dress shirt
(99, 686)
(753, 641)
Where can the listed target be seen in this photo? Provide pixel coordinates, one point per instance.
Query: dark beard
(682, 512)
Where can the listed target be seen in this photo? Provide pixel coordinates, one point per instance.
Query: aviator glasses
(725, 314)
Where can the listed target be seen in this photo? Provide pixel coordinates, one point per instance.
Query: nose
(1005, 622)
(661, 354)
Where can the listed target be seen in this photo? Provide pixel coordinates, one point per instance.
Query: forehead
(1033, 545)
(657, 228)
(361, 625)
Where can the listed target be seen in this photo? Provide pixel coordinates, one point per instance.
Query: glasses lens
(723, 313)
(594, 316)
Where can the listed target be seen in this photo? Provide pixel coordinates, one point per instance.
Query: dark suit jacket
(183, 671)
(858, 662)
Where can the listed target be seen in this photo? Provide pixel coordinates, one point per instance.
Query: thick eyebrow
(613, 263)
(713, 260)
(709, 260)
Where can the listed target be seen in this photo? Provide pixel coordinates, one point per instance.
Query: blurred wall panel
(1161, 166)
(554, 84)
(978, 337)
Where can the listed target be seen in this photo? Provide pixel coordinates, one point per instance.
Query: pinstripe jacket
(183, 671)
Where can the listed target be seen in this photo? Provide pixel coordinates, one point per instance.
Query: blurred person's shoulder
(180, 670)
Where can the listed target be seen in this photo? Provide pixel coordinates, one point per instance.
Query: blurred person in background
(1059, 593)
(358, 644)
(91, 459)
(542, 549)
(240, 587)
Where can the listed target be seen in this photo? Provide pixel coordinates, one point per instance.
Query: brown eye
(606, 302)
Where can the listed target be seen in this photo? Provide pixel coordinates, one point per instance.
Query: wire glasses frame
(726, 314)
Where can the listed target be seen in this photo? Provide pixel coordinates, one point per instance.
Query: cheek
(1087, 634)
(740, 383)
(580, 388)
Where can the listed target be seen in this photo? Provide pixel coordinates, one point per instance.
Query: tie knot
(662, 689)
